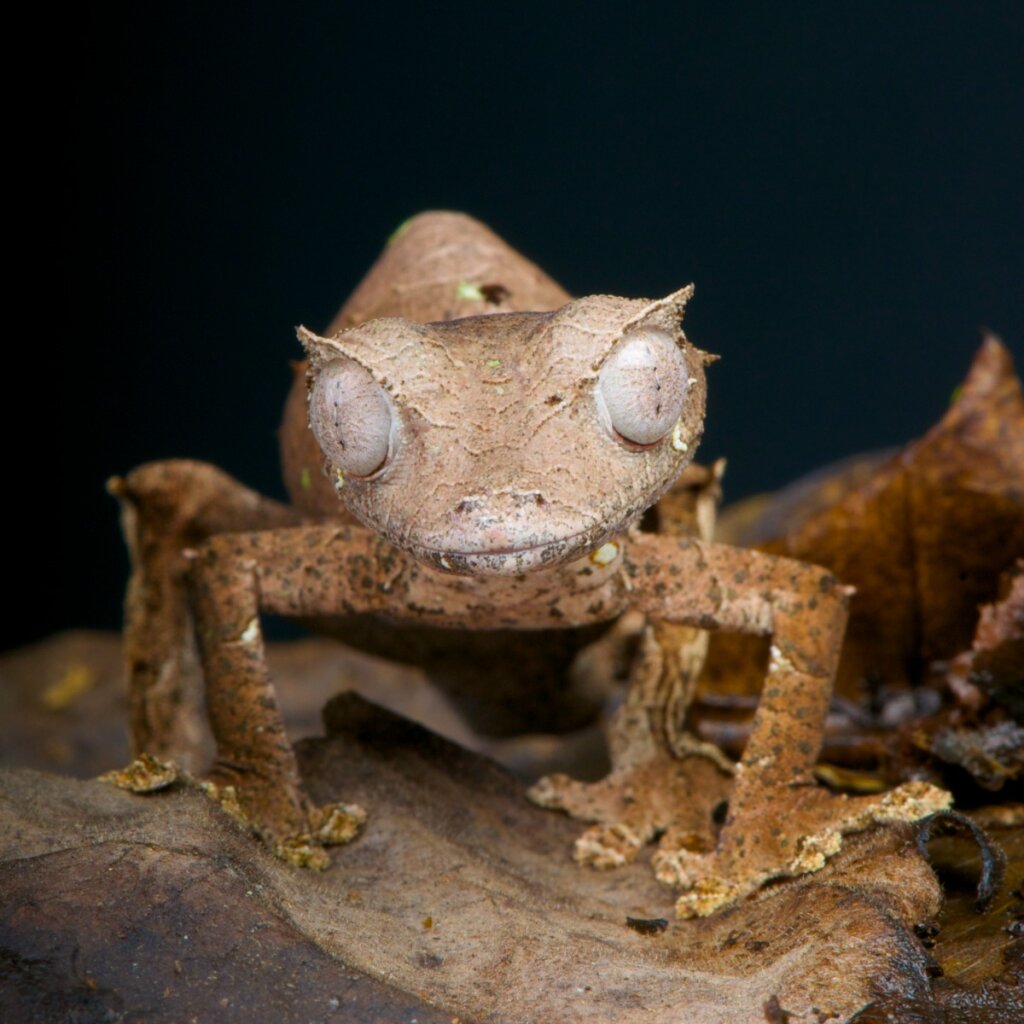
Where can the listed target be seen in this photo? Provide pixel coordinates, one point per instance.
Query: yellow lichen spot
(849, 780)
(605, 554)
(428, 922)
(339, 478)
(677, 438)
(305, 479)
(494, 363)
(469, 292)
(77, 680)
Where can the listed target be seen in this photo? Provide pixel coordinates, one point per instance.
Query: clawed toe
(330, 825)
(288, 823)
(282, 815)
(608, 846)
(798, 828)
(337, 824)
(556, 792)
(145, 774)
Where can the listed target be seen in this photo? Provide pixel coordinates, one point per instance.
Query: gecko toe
(145, 774)
(608, 846)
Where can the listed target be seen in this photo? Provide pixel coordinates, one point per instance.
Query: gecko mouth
(512, 559)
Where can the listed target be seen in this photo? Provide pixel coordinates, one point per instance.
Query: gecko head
(500, 444)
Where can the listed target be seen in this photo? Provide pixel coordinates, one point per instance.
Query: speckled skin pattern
(507, 506)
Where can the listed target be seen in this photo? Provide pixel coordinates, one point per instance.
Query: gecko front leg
(306, 571)
(341, 572)
(779, 822)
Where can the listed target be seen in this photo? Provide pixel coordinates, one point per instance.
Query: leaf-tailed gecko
(469, 452)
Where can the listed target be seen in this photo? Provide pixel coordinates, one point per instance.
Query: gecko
(482, 472)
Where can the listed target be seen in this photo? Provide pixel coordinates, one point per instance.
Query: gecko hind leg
(665, 784)
(167, 508)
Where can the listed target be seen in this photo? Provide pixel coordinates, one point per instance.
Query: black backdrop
(843, 182)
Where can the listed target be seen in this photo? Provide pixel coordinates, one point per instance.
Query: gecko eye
(351, 418)
(642, 386)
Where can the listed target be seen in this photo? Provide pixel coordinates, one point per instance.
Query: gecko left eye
(642, 386)
(351, 418)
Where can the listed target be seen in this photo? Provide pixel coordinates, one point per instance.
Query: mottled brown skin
(505, 505)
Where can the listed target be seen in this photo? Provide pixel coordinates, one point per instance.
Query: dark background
(843, 182)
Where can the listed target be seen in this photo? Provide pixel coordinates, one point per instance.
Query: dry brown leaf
(99, 889)
(922, 534)
(517, 931)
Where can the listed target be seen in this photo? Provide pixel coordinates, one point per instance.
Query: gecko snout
(502, 520)
(505, 532)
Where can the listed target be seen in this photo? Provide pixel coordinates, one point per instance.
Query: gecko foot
(292, 827)
(669, 799)
(786, 833)
(146, 774)
(332, 825)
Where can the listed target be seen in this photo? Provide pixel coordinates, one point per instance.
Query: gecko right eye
(351, 417)
(642, 387)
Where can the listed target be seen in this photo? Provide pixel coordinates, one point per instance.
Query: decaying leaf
(924, 535)
(992, 754)
(994, 666)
